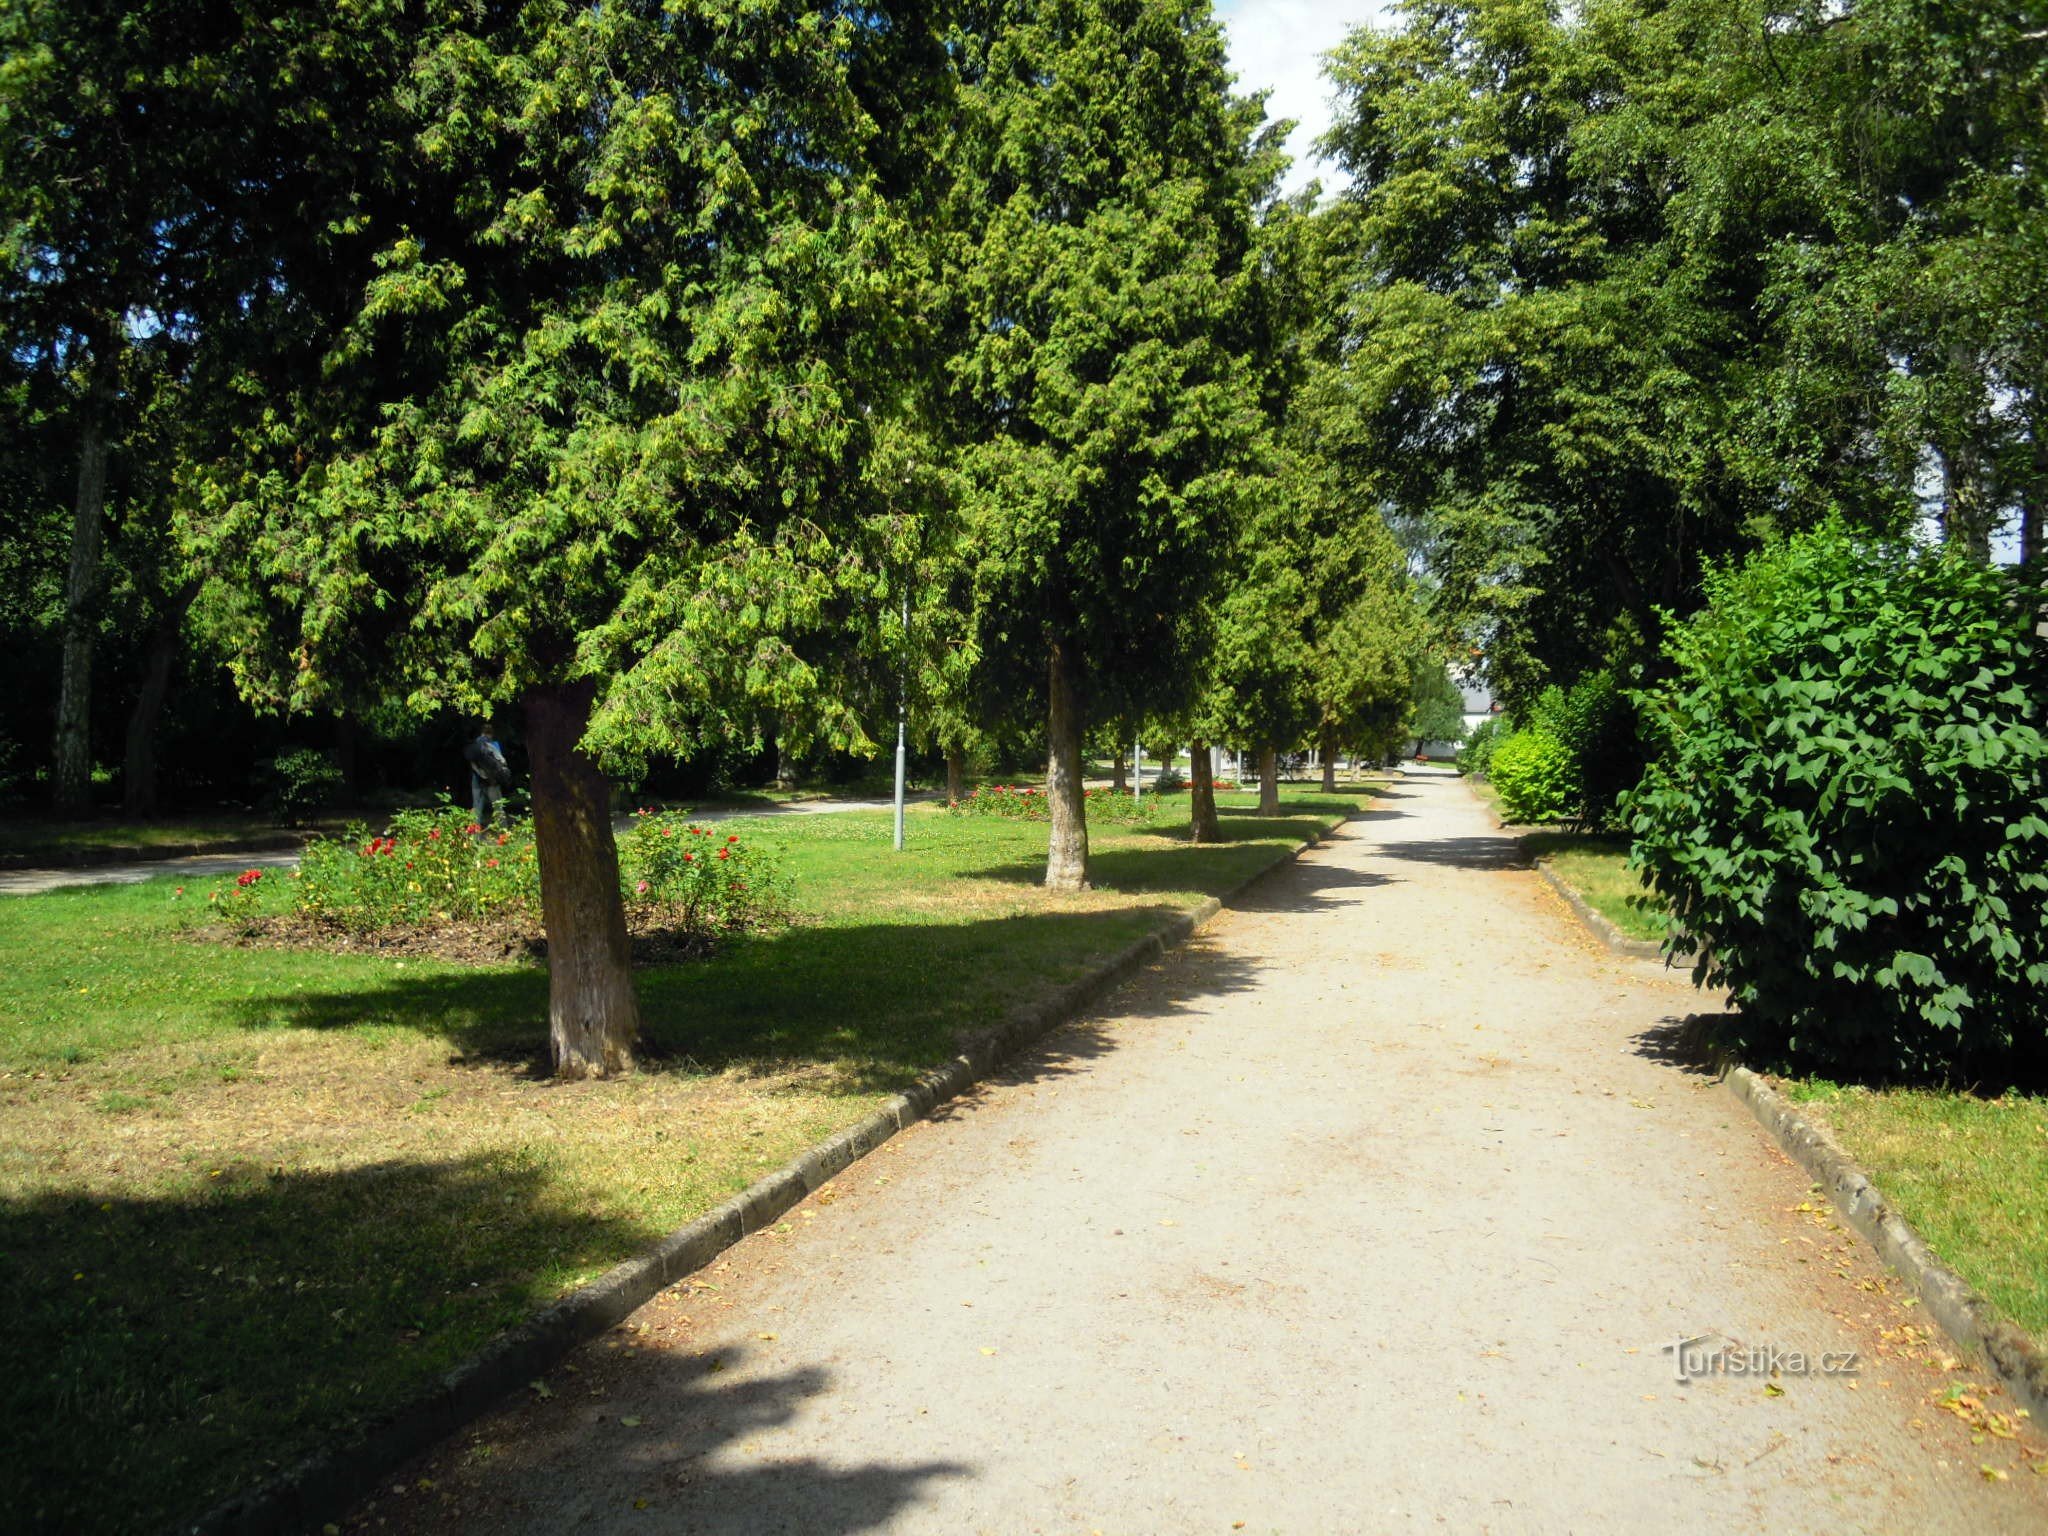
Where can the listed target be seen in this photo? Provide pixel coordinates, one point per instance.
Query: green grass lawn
(250, 1194)
(1969, 1173)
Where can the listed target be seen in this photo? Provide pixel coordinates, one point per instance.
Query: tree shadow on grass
(165, 1352)
(878, 1003)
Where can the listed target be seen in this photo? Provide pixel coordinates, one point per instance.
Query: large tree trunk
(138, 773)
(1119, 773)
(1202, 827)
(1066, 856)
(1269, 781)
(956, 774)
(72, 778)
(785, 765)
(347, 757)
(1965, 520)
(1329, 763)
(593, 1016)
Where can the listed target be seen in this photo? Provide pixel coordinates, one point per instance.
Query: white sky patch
(1278, 45)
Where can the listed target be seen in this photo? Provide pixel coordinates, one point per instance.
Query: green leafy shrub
(303, 782)
(1595, 720)
(1477, 757)
(1849, 818)
(1535, 776)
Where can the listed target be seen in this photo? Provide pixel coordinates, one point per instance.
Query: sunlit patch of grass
(1596, 866)
(1970, 1174)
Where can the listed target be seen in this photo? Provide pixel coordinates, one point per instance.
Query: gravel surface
(1370, 1210)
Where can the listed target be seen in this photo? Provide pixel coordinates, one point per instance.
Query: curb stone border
(1968, 1319)
(1602, 927)
(328, 1482)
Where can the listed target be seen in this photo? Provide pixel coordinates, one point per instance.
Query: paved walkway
(1370, 1211)
(30, 882)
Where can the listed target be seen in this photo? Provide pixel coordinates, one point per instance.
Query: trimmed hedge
(1849, 819)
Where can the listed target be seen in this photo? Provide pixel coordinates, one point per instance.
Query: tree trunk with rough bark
(1329, 763)
(956, 774)
(1066, 856)
(1202, 825)
(1269, 781)
(593, 1015)
(1119, 773)
(1965, 519)
(138, 772)
(72, 776)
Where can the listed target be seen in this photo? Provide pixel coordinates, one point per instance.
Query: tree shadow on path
(1685, 1044)
(1486, 853)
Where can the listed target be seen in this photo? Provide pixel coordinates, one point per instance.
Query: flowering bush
(697, 879)
(434, 868)
(1014, 804)
(430, 866)
(236, 902)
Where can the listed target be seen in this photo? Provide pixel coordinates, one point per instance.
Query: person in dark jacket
(489, 775)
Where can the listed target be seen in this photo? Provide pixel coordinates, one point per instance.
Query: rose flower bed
(437, 883)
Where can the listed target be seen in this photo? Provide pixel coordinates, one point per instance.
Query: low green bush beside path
(250, 1194)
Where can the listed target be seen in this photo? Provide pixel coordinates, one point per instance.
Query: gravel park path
(1369, 1210)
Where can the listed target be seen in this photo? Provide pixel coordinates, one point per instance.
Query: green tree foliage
(1637, 283)
(621, 329)
(1105, 182)
(1850, 818)
(1438, 704)
(157, 163)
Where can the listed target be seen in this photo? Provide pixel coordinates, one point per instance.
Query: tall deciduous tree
(156, 161)
(1107, 178)
(604, 395)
